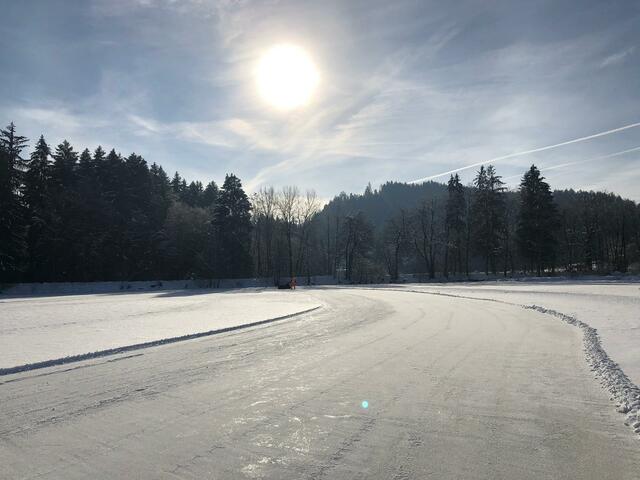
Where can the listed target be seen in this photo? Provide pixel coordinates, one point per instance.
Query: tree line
(68, 215)
(86, 216)
(452, 231)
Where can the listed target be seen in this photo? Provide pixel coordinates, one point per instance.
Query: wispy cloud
(408, 87)
(617, 58)
(209, 133)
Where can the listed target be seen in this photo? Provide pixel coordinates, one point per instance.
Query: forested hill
(454, 229)
(381, 204)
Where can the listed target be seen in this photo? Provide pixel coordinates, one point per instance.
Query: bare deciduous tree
(288, 209)
(395, 241)
(264, 208)
(423, 232)
(308, 208)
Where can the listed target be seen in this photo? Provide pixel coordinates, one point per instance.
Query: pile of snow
(613, 308)
(612, 378)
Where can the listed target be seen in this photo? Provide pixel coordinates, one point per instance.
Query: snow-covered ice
(37, 329)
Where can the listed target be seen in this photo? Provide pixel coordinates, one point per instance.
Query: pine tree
(368, 191)
(538, 221)
(137, 186)
(36, 197)
(99, 156)
(161, 200)
(63, 171)
(65, 231)
(137, 214)
(160, 193)
(176, 184)
(12, 214)
(88, 177)
(88, 221)
(183, 193)
(232, 227)
(36, 178)
(210, 195)
(192, 195)
(488, 215)
(454, 224)
(85, 164)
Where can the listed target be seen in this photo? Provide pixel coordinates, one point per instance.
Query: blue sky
(408, 90)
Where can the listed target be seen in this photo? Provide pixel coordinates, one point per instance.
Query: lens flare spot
(365, 404)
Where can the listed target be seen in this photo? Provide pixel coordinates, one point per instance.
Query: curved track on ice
(456, 388)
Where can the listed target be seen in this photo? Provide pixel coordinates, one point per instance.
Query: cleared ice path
(613, 308)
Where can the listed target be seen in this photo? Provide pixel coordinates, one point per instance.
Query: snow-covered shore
(81, 288)
(39, 329)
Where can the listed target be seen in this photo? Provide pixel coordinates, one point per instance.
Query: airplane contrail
(578, 162)
(527, 152)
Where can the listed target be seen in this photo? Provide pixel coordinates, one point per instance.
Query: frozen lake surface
(378, 383)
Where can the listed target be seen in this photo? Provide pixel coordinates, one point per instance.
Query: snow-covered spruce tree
(537, 221)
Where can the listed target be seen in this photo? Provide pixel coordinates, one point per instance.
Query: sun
(287, 77)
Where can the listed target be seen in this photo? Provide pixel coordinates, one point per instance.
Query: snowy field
(613, 308)
(37, 329)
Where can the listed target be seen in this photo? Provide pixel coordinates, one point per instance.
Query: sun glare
(287, 77)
